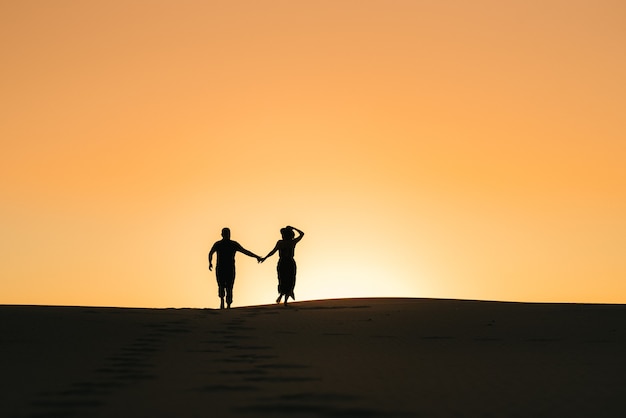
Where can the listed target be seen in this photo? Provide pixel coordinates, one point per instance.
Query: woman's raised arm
(299, 237)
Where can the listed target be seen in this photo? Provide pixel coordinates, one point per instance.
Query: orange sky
(427, 148)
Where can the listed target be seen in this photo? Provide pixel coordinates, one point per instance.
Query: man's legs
(221, 294)
(229, 294)
(225, 279)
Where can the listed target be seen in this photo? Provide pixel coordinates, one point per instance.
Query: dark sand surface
(332, 358)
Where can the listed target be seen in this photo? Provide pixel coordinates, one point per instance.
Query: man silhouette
(225, 271)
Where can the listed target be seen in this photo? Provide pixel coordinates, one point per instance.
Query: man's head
(226, 233)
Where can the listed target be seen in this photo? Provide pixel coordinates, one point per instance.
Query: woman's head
(287, 233)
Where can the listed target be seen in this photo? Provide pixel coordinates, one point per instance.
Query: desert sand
(331, 358)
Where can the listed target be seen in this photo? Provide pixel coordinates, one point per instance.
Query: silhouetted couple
(225, 271)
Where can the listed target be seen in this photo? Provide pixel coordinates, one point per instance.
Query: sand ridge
(333, 358)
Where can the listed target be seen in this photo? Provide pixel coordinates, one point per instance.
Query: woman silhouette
(286, 264)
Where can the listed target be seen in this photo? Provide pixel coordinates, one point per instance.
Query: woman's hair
(287, 233)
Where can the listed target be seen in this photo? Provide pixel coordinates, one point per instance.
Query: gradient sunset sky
(451, 149)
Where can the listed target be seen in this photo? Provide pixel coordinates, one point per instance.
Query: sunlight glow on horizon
(426, 149)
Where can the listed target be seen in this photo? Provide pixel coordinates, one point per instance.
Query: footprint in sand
(313, 404)
(131, 364)
(248, 367)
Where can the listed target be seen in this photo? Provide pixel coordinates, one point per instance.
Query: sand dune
(331, 358)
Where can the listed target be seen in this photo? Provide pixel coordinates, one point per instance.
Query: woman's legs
(286, 270)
